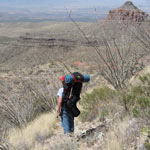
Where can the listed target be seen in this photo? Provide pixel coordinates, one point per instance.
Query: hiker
(68, 96)
(67, 119)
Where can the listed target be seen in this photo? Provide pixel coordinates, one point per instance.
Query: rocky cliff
(127, 12)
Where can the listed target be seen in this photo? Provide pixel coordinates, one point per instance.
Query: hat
(62, 78)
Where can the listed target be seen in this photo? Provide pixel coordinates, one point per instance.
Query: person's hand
(58, 113)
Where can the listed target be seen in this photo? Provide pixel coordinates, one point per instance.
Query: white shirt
(60, 92)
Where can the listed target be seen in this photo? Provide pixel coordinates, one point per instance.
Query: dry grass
(135, 79)
(38, 130)
(114, 142)
(123, 134)
(62, 143)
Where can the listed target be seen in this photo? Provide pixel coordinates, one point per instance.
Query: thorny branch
(119, 60)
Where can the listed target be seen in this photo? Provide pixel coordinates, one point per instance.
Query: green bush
(136, 111)
(92, 103)
(138, 98)
(147, 146)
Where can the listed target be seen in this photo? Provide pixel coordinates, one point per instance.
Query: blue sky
(70, 3)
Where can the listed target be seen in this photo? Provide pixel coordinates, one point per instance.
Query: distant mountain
(8, 14)
(128, 6)
(127, 12)
(46, 10)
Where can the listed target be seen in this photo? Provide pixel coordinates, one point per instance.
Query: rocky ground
(119, 133)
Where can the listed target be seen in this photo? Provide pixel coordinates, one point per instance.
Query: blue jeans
(67, 120)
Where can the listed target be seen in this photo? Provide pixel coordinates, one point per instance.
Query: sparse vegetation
(147, 145)
(21, 105)
(97, 103)
(114, 142)
(24, 102)
(38, 130)
(30, 67)
(119, 59)
(137, 100)
(63, 143)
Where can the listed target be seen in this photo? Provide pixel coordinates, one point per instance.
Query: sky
(70, 3)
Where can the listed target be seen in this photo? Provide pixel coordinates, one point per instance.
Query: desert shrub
(4, 145)
(95, 103)
(138, 98)
(147, 145)
(36, 131)
(135, 100)
(146, 131)
(25, 100)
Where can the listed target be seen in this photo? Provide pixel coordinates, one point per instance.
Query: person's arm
(59, 105)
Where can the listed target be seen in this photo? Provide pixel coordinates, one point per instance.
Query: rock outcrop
(127, 12)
